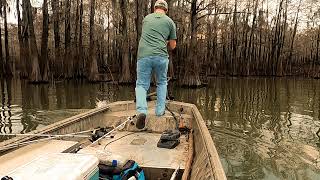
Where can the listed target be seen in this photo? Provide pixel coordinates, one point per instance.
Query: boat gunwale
(55, 126)
(65, 122)
(212, 153)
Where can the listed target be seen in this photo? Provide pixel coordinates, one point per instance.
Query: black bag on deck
(169, 139)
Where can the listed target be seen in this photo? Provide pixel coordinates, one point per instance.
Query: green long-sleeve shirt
(157, 29)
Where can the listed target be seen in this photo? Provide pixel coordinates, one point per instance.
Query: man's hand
(172, 44)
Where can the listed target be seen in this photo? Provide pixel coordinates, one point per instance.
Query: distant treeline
(98, 39)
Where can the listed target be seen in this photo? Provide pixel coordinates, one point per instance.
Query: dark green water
(263, 128)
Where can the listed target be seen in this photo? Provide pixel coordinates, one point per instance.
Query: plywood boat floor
(23, 155)
(142, 147)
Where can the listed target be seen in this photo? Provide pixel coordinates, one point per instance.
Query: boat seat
(23, 155)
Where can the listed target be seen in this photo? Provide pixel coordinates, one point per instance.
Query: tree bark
(125, 68)
(22, 51)
(253, 27)
(68, 61)
(171, 58)
(93, 72)
(34, 55)
(191, 75)
(24, 47)
(318, 53)
(77, 70)
(282, 36)
(2, 63)
(140, 14)
(234, 39)
(6, 43)
(289, 60)
(44, 65)
(152, 5)
(56, 29)
(81, 59)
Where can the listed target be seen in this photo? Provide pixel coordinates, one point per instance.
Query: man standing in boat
(158, 32)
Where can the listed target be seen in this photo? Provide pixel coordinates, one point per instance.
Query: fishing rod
(48, 135)
(11, 146)
(76, 134)
(175, 173)
(121, 126)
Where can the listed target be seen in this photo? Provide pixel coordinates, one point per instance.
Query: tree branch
(199, 5)
(186, 11)
(210, 14)
(199, 10)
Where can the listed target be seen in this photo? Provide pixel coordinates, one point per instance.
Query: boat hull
(204, 164)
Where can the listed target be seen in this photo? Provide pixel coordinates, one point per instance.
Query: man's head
(161, 4)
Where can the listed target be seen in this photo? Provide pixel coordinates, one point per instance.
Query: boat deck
(142, 148)
(154, 123)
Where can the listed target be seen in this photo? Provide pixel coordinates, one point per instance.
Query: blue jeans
(145, 66)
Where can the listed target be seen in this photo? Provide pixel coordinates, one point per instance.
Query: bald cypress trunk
(34, 55)
(318, 53)
(140, 15)
(192, 73)
(125, 68)
(81, 59)
(6, 43)
(76, 57)
(93, 71)
(22, 52)
(56, 29)
(2, 63)
(253, 27)
(25, 38)
(234, 41)
(171, 58)
(68, 61)
(44, 65)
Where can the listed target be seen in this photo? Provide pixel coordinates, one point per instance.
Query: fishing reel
(99, 132)
(130, 119)
(7, 178)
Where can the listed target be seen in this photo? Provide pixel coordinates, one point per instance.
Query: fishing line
(130, 119)
(118, 139)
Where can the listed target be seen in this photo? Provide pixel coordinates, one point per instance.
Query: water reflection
(26, 107)
(263, 128)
